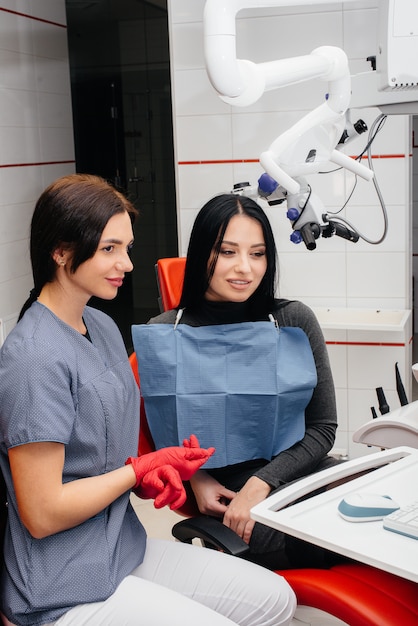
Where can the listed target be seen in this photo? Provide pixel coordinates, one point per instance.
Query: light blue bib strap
(242, 388)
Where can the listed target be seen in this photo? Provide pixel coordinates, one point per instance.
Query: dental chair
(357, 594)
(170, 274)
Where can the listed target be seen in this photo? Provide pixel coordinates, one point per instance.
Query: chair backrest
(170, 275)
(145, 443)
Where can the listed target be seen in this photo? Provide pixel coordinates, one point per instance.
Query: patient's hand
(212, 498)
(237, 516)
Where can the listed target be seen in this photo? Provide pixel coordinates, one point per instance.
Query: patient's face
(242, 262)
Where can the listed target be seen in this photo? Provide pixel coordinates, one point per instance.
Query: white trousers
(182, 585)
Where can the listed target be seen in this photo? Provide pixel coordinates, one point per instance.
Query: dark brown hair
(71, 213)
(205, 241)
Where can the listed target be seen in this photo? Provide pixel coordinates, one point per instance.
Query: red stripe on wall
(32, 17)
(366, 343)
(35, 164)
(218, 161)
(388, 156)
(225, 161)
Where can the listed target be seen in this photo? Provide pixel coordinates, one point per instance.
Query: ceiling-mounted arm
(316, 139)
(241, 82)
(309, 144)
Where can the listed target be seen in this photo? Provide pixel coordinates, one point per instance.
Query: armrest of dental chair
(212, 533)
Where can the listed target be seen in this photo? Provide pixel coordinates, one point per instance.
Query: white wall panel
(17, 69)
(195, 95)
(20, 144)
(202, 138)
(206, 180)
(17, 107)
(19, 185)
(269, 38)
(182, 11)
(186, 38)
(15, 223)
(51, 10)
(360, 34)
(36, 135)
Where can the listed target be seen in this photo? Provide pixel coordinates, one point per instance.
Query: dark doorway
(120, 82)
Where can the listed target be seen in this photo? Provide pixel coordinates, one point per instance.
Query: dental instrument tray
(403, 521)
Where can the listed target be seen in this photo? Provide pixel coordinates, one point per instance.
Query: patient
(246, 372)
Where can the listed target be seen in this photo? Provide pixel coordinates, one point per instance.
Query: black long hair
(71, 213)
(206, 239)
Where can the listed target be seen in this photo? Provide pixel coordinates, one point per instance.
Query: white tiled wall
(361, 361)
(218, 145)
(36, 135)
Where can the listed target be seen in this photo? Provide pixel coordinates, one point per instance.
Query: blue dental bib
(242, 388)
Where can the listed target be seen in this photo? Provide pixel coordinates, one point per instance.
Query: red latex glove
(193, 443)
(150, 478)
(165, 486)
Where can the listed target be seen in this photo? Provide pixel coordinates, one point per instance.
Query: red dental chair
(170, 274)
(357, 594)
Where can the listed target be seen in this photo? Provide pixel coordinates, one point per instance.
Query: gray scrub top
(56, 385)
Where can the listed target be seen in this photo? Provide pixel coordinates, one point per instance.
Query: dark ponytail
(33, 295)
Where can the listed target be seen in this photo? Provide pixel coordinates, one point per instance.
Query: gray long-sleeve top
(320, 414)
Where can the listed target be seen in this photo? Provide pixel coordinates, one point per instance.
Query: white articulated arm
(308, 145)
(315, 140)
(241, 82)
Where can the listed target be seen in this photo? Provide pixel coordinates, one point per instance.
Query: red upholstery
(145, 443)
(134, 365)
(399, 589)
(170, 274)
(357, 594)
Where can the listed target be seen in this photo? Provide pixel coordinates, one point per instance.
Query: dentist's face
(102, 275)
(242, 262)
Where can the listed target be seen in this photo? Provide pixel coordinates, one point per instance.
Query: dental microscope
(315, 142)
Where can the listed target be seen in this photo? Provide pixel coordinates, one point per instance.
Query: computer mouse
(366, 507)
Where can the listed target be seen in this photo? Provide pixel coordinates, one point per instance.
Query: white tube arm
(310, 143)
(341, 159)
(255, 79)
(232, 77)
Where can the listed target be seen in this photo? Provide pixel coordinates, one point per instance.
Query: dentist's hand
(154, 476)
(164, 485)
